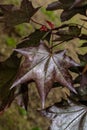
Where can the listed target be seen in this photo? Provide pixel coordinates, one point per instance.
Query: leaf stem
(37, 22)
(66, 25)
(56, 44)
(51, 41)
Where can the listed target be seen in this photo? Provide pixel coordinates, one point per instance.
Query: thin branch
(66, 25)
(61, 42)
(56, 44)
(37, 22)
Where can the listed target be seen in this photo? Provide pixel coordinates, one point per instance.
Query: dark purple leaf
(34, 38)
(68, 14)
(70, 8)
(61, 4)
(13, 16)
(23, 98)
(82, 88)
(54, 6)
(45, 68)
(8, 70)
(83, 62)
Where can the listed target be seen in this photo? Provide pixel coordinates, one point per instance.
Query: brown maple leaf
(44, 68)
(13, 16)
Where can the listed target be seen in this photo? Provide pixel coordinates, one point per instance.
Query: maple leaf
(70, 8)
(8, 70)
(13, 16)
(67, 116)
(44, 68)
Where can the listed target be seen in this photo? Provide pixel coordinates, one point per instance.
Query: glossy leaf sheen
(78, 3)
(70, 8)
(45, 68)
(70, 116)
(68, 14)
(8, 70)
